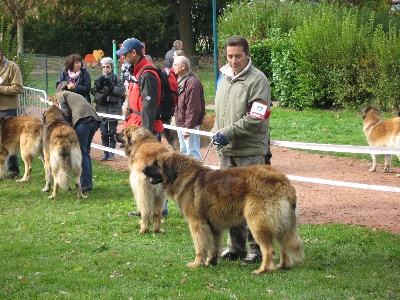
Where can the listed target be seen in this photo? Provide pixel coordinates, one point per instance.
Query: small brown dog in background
(381, 133)
(21, 134)
(172, 135)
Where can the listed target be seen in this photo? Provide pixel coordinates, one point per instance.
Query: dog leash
(208, 150)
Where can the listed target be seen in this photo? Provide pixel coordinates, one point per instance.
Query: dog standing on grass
(20, 134)
(62, 153)
(381, 133)
(141, 149)
(213, 200)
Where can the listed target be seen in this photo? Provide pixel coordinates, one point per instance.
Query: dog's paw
(398, 175)
(213, 261)
(261, 271)
(193, 265)
(21, 180)
(372, 169)
(144, 230)
(51, 197)
(46, 189)
(158, 230)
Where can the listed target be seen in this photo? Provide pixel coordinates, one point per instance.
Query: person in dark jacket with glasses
(109, 95)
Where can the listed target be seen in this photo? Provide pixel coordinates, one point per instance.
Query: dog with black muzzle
(213, 200)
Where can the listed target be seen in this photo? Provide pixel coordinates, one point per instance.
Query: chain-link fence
(48, 68)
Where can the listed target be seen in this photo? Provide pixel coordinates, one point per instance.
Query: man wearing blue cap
(145, 95)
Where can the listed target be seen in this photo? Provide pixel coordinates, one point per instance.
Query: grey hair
(107, 60)
(179, 53)
(149, 58)
(177, 43)
(182, 60)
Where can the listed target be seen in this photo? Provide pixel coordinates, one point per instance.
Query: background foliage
(8, 42)
(324, 55)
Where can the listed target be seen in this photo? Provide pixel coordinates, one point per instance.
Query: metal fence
(48, 68)
(33, 102)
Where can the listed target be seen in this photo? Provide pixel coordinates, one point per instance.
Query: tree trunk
(183, 14)
(20, 36)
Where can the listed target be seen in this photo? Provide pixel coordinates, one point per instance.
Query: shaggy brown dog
(212, 200)
(381, 133)
(141, 149)
(62, 153)
(22, 134)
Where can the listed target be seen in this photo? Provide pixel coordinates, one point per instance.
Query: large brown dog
(62, 153)
(141, 149)
(381, 133)
(22, 134)
(212, 200)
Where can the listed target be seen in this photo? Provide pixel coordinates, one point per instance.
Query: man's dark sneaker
(165, 214)
(134, 213)
(86, 188)
(228, 255)
(252, 259)
(12, 175)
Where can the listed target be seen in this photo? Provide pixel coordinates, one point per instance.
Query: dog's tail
(289, 239)
(61, 163)
(294, 245)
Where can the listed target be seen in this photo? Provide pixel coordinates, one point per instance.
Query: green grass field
(91, 249)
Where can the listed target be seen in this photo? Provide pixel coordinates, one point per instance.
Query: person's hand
(99, 82)
(220, 140)
(109, 84)
(186, 135)
(71, 86)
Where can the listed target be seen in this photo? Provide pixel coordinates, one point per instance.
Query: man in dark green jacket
(242, 106)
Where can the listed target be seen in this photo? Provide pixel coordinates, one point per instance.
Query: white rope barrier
(345, 184)
(338, 148)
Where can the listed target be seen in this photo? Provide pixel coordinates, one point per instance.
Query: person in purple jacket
(190, 110)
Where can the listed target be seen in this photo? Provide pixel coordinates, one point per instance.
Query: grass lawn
(91, 249)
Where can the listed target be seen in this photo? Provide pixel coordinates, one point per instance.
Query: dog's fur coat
(62, 153)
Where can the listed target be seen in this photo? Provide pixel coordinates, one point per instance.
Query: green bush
(322, 55)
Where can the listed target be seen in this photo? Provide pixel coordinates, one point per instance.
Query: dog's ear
(128, 137)
(169, 169)
(365, 111)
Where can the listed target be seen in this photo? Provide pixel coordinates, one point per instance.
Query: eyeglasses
(106, 67)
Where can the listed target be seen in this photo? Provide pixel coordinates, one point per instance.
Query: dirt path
(324, 204)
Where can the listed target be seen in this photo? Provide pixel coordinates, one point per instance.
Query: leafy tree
(20, 10)
(9, 44)
(195, 22)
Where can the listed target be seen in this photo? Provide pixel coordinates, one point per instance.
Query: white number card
(259, 110)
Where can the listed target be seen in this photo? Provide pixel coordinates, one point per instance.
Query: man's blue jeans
(85, 132)
(190, 146)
